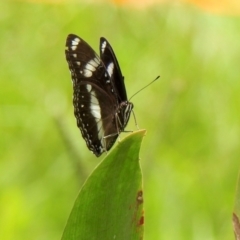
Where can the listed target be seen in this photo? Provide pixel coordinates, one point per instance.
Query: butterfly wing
(94, 99)
(109, 59)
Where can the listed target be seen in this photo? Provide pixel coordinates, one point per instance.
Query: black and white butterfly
(100, 102)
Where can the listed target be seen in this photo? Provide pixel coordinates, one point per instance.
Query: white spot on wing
(90, 67)
(104, 44)
(75, 41)
(89, 87)
(96, 112)
(87, 73)
(73, 47)
(94, 106)
(94, 100)
(110, 69)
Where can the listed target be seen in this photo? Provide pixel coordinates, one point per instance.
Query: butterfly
(101, 106)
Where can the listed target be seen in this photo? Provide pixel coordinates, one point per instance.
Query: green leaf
(110, 203)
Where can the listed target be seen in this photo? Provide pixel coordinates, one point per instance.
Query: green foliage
(110, 203)
(190, 159)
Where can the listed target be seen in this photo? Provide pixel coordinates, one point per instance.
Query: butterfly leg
(118, 123)
(135, 120)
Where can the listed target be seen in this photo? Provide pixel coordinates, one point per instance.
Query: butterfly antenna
(144, 87)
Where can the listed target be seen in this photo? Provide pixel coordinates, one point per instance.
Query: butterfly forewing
(99, 95)
(110, 61)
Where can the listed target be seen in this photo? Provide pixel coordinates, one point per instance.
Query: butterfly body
(100, 102)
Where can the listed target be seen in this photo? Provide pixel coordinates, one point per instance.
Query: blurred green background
(190, 156)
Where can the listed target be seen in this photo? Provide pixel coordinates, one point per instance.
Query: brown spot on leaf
(140, 197)
(141, 221)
